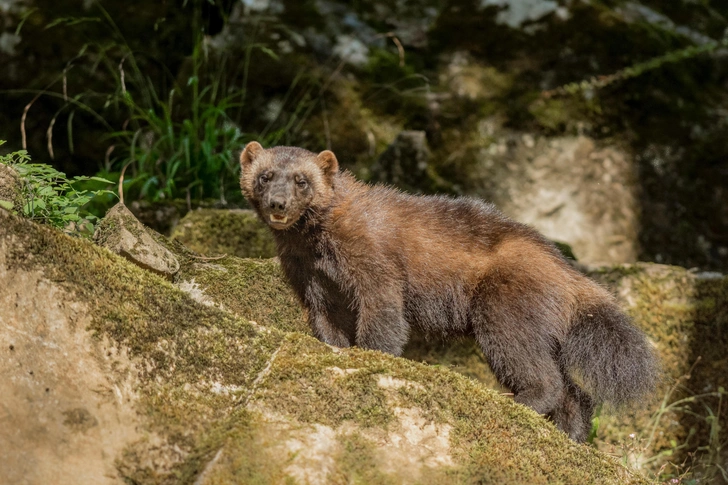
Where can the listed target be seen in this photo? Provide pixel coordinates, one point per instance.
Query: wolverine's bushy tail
(610, 357)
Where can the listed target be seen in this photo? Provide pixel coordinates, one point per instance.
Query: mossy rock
(677, 308)
(123, 234)
(163, 216)
(185, 392)
(234, 232)
(10, 188)
(252, 288)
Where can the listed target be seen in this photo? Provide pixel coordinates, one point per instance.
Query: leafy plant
(179, 132)
(50, 198)
(182, 144)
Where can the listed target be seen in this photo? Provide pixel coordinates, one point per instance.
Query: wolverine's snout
(279, 210)
(277, 203)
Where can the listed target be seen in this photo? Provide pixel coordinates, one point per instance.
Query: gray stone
(123, 234)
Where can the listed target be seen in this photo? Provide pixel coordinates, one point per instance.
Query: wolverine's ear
(252, 150)
(327, 162)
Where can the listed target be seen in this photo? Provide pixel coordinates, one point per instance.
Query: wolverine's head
(282, 183)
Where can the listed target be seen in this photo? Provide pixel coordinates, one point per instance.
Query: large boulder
(685, 314)
(112, 375)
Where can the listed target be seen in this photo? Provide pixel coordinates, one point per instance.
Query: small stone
(121, 233)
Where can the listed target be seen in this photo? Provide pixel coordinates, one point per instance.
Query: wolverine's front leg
(330, 318)
(381, 324)
(325, 331)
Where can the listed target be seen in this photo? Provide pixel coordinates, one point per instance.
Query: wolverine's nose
(278, 204)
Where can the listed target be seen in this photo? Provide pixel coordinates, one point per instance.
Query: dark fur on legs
(574, 414)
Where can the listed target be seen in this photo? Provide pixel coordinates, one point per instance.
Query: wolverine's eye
(264, 179)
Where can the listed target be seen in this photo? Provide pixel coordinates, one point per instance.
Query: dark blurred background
(603, 123)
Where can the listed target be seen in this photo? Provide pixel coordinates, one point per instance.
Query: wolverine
(370, 263)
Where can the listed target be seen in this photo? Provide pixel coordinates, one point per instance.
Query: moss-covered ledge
(252, 288)
(213, 398)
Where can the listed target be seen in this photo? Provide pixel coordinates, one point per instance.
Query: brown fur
(370, 262)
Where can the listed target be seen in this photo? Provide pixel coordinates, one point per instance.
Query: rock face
(153, 387)
(68, 398)
(569, 189)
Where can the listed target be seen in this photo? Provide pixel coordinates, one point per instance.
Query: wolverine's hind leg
(574, 415)
(529, 372)
(524, 366)
(514, 334)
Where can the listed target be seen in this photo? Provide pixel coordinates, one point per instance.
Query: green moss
(255, 289)
(357, 464)
(559, 115)
(233, 232)
(244, 455)
(252, 288)
(321, 391)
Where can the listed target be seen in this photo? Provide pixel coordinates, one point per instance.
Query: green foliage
(180, 132)
(50, 198)
(184, 144)
(706, 466)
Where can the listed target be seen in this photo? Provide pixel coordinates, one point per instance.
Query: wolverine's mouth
(278, 219)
